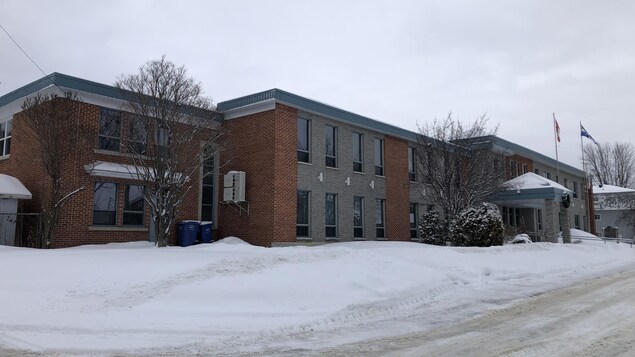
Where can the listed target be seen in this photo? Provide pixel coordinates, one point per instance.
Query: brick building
(314, 173)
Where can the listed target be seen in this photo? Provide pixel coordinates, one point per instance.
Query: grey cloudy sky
(402, 62)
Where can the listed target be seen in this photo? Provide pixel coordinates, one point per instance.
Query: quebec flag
(585, 133)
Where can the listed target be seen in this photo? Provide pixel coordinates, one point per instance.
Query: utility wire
(23, 51)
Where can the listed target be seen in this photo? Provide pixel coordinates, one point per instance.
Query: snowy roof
(11, 187)
(112, 169)
(611, 189)
(530, 181)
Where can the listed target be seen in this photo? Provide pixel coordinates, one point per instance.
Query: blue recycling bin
(187, 232)
(206, 232)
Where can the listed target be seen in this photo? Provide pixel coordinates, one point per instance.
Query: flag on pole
(556, 127)
(586, 134)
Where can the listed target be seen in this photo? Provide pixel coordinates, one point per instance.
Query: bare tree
(459, 163)
(175, 131)
(612, 164)
(54, 122)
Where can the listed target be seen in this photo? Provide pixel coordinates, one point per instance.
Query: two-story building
(313, 173)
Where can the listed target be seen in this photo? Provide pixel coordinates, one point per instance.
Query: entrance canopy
(529, 191)
(12, 188)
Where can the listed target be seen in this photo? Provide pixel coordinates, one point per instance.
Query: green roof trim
(309, 105)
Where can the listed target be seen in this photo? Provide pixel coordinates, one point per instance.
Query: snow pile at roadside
(230, 296)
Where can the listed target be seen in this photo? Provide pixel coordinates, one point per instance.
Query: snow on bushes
(431, 229)
(478, 226)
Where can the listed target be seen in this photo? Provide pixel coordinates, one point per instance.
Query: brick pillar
(566, 225)
(397, 189)
(552, 226)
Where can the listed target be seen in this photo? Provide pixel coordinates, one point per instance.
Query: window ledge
(382, 239)
(381, 176)
(359, 239)
(118, 153)
(304, 239)
(5, 157)
(359, 172)
(333, 168)
(117, 229)
(332, 239)
(305, 163)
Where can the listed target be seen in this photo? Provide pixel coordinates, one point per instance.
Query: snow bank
(229, 296)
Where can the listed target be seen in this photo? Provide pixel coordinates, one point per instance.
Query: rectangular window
(525, 169)
(331, 146)
(303, 140)
(109, 129)
(380, 219)
(138, 136)
(5, 137)
(566, 183)
(576, 219)
(358, 217)
(539, 214)
(575, 189)
(548, 175)
(105, 204)
(512, 168)
(302, 227)
(412, 164)
(598, 217)
(330, 215)
(504, 216)
(413, 221)
(584, 225)
(207, 193)
(537, 172)
(519, 169)
(357, 153)
(133, 203)
(162, 139)
(430, 208)
(379, 157)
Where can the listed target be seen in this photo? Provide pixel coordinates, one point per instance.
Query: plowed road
(593, 318)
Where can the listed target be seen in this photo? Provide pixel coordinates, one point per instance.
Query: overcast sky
(402, 62)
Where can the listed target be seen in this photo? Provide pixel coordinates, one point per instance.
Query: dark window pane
(208, 194)
(109, 129)
(330, 162)
(303, 134)
(303, 207)
(134, 198)
(357, 166)
(358, 232)
(109, 144)
(330, 207)
(330, 141)
(132, 219)
(357, 211)
(379, 171)
(379, 152)
(207, 213)
(302, 231)
(303, 156)
(105, 203)
(380, 233)
(357, 152)
(331, 232)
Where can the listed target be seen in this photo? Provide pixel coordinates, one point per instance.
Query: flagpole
(587, 200)
(555, 140)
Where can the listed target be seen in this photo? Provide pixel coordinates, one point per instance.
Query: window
(358, 217)
(105, 204)
(512, 168)
(380, 221)
(162, 139)
(302, 228)
(584, 225)
(379, 157)
(109, 129)
(138, 136)
(357, 153)
(412, 173)
(330, 215)
(413, 221)
(430, 208)
(548, 175)
(525, 169)
(133, 206)
(518, 169)
(598, 217)
(576, 219)
(5, 137)
(575, 189)
(539, 216)
(566, 183)
(207, 192)
(537, 172)
(330, 146)
(303, 140)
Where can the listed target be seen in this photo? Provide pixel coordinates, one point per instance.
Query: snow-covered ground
(231, 297)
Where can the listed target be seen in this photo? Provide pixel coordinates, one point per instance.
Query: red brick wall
(517, 159)
(397, 189)
(263, 145)
(75, 223)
